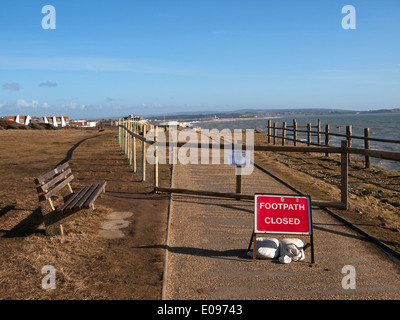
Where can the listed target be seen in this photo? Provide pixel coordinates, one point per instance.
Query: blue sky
(111, 58)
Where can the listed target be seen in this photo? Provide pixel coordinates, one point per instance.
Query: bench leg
(66, 192)
(54, 230)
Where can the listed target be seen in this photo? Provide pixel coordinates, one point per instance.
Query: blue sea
(384, 126)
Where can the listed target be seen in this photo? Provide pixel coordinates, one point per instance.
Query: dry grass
(73, 256)
(87, 266)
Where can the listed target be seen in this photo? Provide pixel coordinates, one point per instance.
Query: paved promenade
(208, 239)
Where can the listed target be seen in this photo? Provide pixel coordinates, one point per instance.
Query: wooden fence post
(367, 146)
(126, 138)
(144, 155)
(308, 134)
(269, 131)
(295, 132)
(319, 130)
(327, 138)
(344, 187)
(129, 143)
(275, 131)
(283, 133)
(238, 170)
(156, 157)
(349, 132)
(131, 146)
(134, 146)
(119, 133)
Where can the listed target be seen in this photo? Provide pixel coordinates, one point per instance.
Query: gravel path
(208, 239)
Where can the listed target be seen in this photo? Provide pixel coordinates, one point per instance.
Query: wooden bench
(57, 183)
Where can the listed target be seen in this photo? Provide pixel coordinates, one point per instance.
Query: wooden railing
(274, 132)
(131, 133)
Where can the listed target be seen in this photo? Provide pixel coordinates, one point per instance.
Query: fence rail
(273, 133)
(132, 139)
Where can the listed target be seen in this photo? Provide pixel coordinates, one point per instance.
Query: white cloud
(22, 103)
(73, 105)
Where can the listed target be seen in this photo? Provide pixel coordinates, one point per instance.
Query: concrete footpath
(208, 239)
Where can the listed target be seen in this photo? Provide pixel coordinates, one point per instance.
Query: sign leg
(250, 243)
(254, 246)
(312, 248)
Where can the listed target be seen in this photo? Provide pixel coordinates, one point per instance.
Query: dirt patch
(111, 229)
(87, 265)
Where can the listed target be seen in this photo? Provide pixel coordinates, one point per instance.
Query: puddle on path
(110, 229)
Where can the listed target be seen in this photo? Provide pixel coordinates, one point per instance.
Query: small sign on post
(282, 214)
(239, 158)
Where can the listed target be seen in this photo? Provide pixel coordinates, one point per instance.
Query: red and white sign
(282, 214)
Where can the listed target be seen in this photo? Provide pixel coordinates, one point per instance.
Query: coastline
(235, 119)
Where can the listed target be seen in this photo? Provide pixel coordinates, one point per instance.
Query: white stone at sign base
(285, 259)
(287, 250)
(292, 249)
(267, 248)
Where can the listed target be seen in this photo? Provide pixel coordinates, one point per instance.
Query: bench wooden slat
(56, 189)
(72, 198)
(52, 182)
(52, 173)
(94, 195)
(88, 194)
(72, 204)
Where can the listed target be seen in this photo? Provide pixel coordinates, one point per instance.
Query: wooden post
(327, 138)
(129, 142)
(269, 131)
(308, 134)
(283, 133)
(119, 134)
(134, 147)
(318, 130)
(156, 157)
(367, 146)
(126, 138)
(344, 174)
(238, 171)
(349, 132)
(275, 131)
(295, 132)
(144, 155)
(131, 146)
(122, 135)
